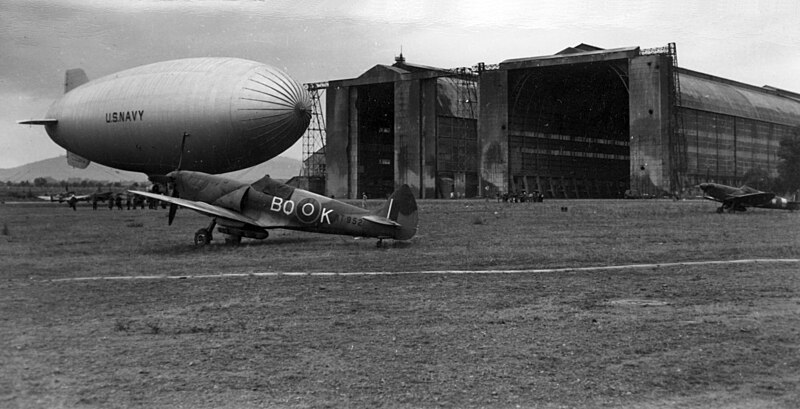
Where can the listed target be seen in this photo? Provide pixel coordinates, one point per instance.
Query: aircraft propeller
(173, 208)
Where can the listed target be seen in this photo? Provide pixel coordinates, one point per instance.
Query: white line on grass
(376, 273)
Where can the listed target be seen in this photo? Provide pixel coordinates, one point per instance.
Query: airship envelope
(212, 115)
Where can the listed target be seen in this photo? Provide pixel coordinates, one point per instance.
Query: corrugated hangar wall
(733, 128)
(584, 123)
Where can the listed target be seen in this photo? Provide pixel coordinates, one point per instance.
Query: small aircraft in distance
(739, 198)
(71, 197)
(63, 197)
(251, 210)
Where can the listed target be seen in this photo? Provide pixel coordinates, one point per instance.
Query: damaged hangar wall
(650, 110)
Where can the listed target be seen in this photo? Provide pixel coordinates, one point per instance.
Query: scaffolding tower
(466, 92)
(314, 137)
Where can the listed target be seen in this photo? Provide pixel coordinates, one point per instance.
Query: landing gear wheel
(380, 243)
(233, 239)
(202, 237)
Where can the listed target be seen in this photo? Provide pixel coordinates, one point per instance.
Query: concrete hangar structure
(583, 123)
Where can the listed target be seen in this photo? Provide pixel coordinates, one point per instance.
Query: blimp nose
(273, 108)
(303, 109)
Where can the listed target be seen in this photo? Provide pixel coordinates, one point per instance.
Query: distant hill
(58, 169)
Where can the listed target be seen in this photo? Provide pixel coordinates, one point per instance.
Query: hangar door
(375, 107)
(568, 129)
(456, 137)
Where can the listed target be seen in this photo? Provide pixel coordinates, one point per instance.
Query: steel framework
(314, 138)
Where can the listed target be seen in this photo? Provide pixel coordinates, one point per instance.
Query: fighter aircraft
(738, 199)
(215, 115)
(63, 197)
(251, 210)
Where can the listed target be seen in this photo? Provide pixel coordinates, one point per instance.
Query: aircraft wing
(753, 199)
(200, 207)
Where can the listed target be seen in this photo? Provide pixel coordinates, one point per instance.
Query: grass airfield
(707, 336)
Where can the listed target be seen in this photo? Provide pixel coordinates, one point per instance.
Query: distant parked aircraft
(251, 210)
(738, 199)
(63, 197)
(72, 199)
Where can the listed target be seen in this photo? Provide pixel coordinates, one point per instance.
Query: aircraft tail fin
(74, 78)
(402, 209)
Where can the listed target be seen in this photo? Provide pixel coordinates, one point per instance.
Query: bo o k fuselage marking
(287, 206)
(124, 116)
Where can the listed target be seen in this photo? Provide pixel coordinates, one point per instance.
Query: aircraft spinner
(212, 115)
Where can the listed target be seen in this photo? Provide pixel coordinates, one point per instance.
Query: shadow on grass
(304, 242)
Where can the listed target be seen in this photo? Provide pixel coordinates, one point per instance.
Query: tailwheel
(202, 237)
(380, 243)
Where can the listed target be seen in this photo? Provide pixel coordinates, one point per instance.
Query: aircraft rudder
(402, 208)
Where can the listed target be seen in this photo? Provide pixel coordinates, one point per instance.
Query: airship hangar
(585, 122)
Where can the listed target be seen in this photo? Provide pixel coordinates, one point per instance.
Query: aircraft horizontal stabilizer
(381, 220)
(401, 211)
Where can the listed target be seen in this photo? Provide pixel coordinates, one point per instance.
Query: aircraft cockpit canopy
(272, 187)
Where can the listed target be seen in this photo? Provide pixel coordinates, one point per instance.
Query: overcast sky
(756, 42)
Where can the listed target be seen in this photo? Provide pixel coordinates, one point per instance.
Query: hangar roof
(708, 93)
(400, 70)
(574, 55)
(698, 91)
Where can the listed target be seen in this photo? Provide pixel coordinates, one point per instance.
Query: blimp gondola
(211, 115)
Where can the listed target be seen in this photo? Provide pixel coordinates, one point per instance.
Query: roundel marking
(308, 210)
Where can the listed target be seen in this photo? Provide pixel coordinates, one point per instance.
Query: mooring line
(386, 273)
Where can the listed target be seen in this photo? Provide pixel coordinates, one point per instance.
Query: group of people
(520, 197)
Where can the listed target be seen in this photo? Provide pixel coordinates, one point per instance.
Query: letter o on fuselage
(308, 211)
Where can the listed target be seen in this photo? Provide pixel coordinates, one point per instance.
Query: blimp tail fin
(77, 161)
(74, 78)
(38, 122)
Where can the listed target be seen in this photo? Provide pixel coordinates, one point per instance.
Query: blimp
(211, 115)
